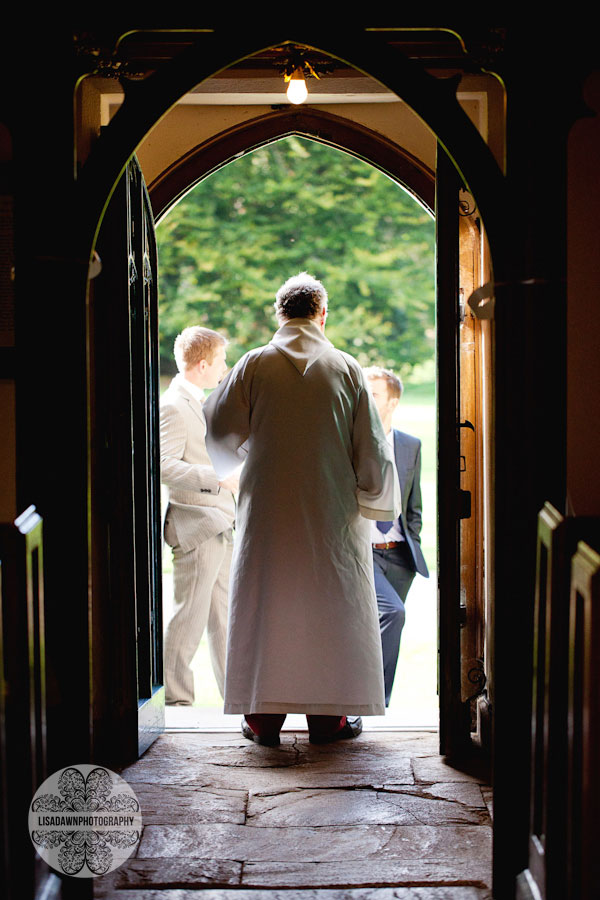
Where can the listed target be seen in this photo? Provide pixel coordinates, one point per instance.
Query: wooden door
(460, 497)
(474, 423)
(128, 694)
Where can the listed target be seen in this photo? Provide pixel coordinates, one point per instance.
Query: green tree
(297, 205)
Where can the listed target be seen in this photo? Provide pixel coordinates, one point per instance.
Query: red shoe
(270, 741)
(351, 729)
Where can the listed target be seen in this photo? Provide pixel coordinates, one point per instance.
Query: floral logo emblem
(85, 821)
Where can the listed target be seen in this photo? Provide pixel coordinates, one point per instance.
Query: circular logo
(85, 821)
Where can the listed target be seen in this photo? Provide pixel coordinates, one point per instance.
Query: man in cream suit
(397, 554)
(199, 517)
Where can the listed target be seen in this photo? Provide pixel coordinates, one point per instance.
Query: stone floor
(378, 817)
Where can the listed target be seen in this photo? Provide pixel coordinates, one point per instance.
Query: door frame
(151, 98)
(438, 192)
(516, 355)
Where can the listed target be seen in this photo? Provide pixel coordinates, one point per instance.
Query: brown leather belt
(389, 546)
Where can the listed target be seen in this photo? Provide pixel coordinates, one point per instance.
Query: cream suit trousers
(200, 589)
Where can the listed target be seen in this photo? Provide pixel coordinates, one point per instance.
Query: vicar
(397, 554)
(303, 627)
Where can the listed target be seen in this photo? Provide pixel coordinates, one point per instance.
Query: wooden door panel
(471, 458)
(462, 515)
(127, 652)
(454, 713)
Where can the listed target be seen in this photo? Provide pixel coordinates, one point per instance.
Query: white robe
(303, 623)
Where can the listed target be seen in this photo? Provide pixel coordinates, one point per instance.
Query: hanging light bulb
(297, 92)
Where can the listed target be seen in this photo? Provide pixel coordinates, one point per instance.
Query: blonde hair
(196, 343)
(393, 381)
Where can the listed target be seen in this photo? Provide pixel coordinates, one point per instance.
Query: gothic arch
(326, 128)
(434, 100)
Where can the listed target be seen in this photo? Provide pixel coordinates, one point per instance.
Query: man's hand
(231, 484)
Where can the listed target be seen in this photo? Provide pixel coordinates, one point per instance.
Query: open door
(128, 700)
(461, 475)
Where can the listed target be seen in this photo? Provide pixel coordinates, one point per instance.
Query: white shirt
(196, 392)
(394, 534)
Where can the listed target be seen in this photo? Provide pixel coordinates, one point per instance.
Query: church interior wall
(187, 126)
(8, 457)
(583, 308)
(184, 128)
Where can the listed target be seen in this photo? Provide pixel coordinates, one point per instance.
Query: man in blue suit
(397, 554)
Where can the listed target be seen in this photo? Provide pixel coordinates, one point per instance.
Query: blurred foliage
(297, 205)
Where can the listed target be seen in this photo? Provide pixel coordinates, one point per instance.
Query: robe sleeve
(227, 413)
(377, 486)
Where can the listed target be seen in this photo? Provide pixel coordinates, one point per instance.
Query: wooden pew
(547, 875)
(583, 804)
(22, 704)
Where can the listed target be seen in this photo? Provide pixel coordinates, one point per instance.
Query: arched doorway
(374, 319)
(528, 386)
(427, 96)
(416, 178)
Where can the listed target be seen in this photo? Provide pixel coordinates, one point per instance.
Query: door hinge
(464, 504)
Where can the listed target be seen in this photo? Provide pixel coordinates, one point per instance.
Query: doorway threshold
(189, 719)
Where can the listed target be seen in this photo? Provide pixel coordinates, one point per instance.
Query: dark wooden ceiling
(141, 51)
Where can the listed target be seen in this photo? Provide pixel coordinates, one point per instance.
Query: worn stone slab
(415, 743)
(167, 873)
(362, 893)
(258, 768)
(434, 768)
(168, 805)
(456, 843)
(412, 806)
(302, 834)
(467, 873)
(466, 792)
(190, 744)
(388, 749)
(244, 755)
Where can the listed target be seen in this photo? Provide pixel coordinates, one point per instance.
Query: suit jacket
(407, 453)
(198, 507)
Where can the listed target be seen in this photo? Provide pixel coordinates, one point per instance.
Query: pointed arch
(326, 128)
(434, 100)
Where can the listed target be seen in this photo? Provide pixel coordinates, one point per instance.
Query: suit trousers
(200, 592)
(394, 574)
